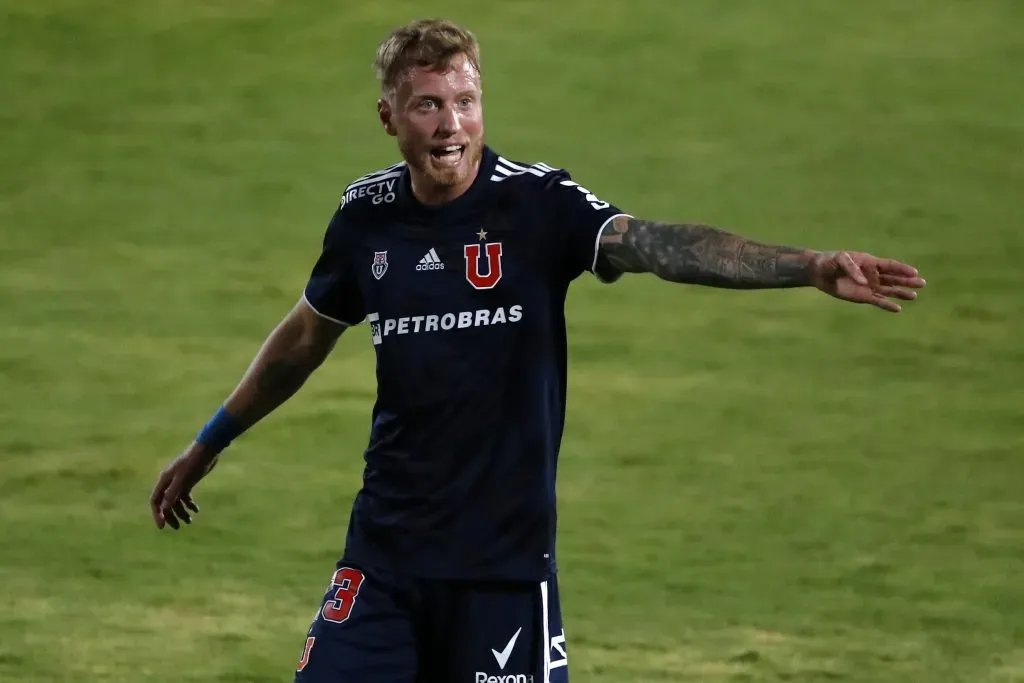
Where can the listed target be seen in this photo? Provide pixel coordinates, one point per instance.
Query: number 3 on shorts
(339, 607)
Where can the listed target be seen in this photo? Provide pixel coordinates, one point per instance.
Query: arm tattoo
(699, 254)
(292, 354)
(281, 375)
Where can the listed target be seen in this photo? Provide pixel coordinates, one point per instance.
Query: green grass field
(761, 486)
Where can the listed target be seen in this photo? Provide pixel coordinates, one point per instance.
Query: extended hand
(172, 496)
(865, 279)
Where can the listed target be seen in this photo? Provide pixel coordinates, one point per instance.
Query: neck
(429, 192)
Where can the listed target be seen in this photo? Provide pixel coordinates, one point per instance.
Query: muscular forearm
(285, 361)
(700, 254)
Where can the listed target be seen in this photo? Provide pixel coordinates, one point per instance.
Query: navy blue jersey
(465, 308)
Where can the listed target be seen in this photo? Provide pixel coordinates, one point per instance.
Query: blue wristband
(220, 431)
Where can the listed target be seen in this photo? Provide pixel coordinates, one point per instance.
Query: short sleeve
(579, 216)
(333, 289)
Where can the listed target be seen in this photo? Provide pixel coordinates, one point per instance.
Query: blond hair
(424, 42)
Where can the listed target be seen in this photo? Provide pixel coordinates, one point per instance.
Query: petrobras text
(417, 324)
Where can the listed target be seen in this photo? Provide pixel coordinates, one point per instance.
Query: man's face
(437, 116)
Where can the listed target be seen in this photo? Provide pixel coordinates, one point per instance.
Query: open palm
(866, 279)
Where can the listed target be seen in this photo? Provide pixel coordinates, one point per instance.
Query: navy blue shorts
(376, 627)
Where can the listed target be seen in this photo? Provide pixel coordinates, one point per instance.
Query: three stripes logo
(430, 261)
(504, 168)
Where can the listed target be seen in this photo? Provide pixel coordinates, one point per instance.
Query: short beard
(449, 177)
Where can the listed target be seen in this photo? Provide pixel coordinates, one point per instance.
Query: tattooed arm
(699, 254)
(296, 347)
(702, 255)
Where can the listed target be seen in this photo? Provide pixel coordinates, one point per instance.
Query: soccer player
(459, 259)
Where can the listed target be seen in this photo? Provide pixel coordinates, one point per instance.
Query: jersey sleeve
(333, 289)
(579, 218)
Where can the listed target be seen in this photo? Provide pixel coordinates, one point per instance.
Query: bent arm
(296, 347)
(699, 254)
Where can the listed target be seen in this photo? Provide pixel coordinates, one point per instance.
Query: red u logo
(488, 280)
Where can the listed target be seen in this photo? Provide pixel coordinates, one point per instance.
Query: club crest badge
(380, 264)
(473, 275)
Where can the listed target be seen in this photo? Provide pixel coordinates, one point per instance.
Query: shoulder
(373, 189)
(361, 201)
(544, 182)
(526, 175)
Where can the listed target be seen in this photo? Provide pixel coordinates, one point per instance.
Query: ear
(384, 112)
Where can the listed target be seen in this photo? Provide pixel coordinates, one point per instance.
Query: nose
(448, 122)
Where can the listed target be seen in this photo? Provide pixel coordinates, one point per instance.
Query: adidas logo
(430, 261)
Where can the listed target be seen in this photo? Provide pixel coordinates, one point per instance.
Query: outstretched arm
(700, 254)
(703, 255)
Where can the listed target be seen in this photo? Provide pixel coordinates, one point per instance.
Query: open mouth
(448, 155)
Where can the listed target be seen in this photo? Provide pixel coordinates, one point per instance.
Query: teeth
(450, 148)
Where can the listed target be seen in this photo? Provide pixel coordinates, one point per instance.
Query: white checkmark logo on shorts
(502, 657)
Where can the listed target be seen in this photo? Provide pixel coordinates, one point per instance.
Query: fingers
(168, 513)
(157, 497)
(885, 304)
(893, 267)
(901, 281)
(895, 286)
(875, 281)
(897, 292)
(176, 497)
(171, 501)
(882, 298)
(850, 267)
(171, 504)
(181, 512)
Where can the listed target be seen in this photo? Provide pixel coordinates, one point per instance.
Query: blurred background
(754, 486)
